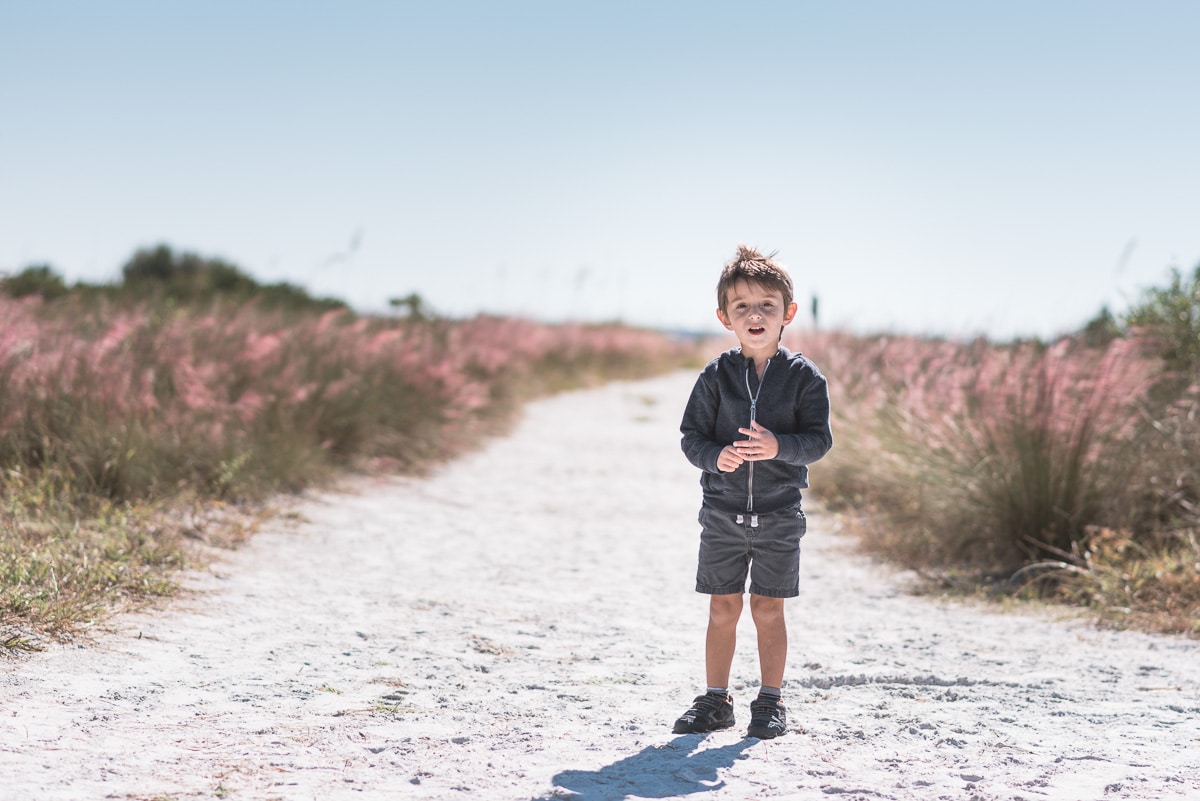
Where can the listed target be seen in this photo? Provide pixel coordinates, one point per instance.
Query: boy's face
(756, 315)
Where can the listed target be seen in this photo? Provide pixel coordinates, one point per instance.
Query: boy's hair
(750, 265)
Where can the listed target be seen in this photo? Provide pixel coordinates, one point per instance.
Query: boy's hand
(759, 445)
(729, 459)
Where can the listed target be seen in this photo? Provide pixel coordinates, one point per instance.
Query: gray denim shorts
(766, 547)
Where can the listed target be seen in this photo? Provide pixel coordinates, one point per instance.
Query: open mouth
(755, 330)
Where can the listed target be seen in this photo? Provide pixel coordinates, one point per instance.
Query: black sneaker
(768, 719)
(708, 713)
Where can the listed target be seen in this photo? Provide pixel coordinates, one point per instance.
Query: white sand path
(522, 625)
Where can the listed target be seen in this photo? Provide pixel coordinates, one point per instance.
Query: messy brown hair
(752, 266)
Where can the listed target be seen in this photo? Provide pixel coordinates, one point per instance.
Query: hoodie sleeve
(700, 422)
(813, 437)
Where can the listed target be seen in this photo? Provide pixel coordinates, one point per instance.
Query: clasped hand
(760, 444)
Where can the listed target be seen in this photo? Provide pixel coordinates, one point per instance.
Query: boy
(757, 416)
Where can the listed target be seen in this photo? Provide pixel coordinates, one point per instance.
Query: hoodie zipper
(753, 417)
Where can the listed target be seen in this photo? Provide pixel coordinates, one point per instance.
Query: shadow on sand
(657, 771)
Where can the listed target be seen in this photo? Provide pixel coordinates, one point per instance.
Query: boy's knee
(764, 608)
(724, 609)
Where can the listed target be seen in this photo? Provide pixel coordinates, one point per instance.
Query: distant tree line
(160, 274)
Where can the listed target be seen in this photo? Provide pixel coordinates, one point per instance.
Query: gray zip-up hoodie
(792, 403)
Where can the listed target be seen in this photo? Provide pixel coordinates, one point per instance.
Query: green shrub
(159, 273)
(36, 279)
(1171, 315)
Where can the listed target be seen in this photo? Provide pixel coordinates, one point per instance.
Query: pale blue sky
(945, 167)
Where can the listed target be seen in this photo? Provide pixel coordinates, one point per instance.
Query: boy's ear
(725, 320)
(790, 313)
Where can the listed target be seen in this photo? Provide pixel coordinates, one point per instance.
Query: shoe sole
(764, 735)
(693, 730)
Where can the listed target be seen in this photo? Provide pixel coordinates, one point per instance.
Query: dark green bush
(1171, 315)
(36, 279)
(160, 273)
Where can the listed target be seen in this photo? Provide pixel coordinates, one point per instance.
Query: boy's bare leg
(772, 638)
(723, 614)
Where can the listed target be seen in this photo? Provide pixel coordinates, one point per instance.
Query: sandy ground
(522, 625)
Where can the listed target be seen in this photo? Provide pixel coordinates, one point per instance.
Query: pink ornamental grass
(138, 402)
(983, 453)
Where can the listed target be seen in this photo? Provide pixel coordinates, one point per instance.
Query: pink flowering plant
(1012, 463)
(128, 407)
(107, 413)
(990, 455)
